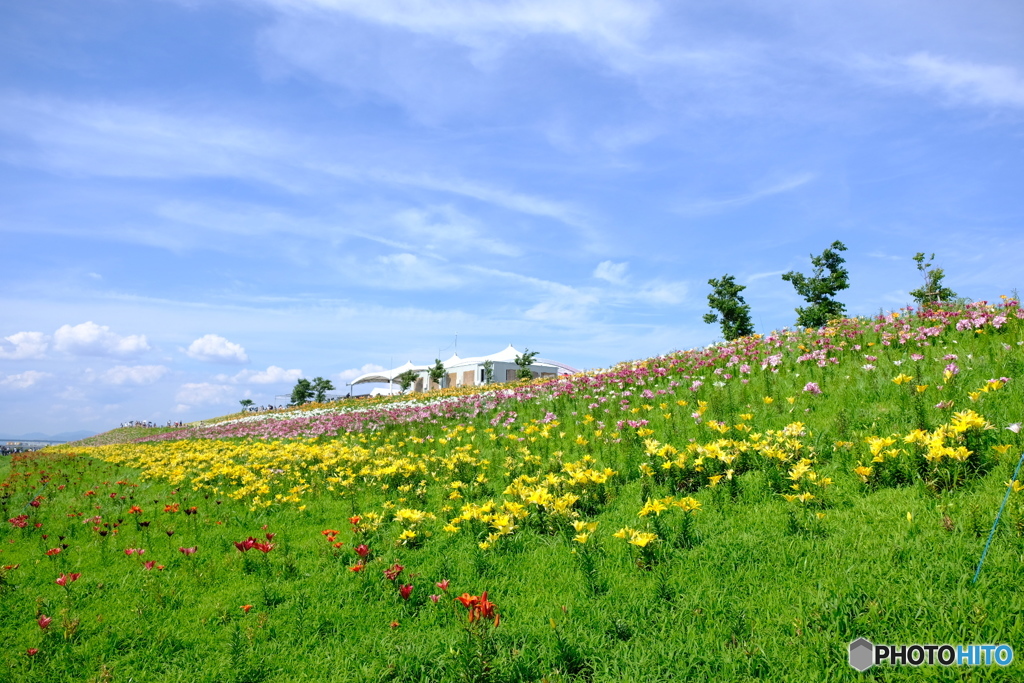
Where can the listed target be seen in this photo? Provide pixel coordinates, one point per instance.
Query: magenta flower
(189, 551)
(812, 388)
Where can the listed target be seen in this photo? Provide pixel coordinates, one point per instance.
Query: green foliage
(320, 387)
(732, 310)
(406, 379)
(488, 371)
(819, 289)
(302, 392)
(524, 361)
(246, 402)
(932, 291)
(437, 372)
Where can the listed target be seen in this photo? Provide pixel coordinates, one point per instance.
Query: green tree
(932, 291)
(320, 387)
(436, 372)
(406, 379)
(488, 371)
(246, 402)
(524, 362)
(819, 289)
(302, 392)
(732, 311)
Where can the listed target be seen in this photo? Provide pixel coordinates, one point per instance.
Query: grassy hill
(740, 512)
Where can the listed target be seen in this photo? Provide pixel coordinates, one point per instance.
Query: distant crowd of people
(139, 423)
(262, 409)
(150, 424)
(11, 449)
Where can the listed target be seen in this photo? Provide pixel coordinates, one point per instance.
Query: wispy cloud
(965, 82)
(134, 374)
(609, 23)
(958, 82)
(718, 205)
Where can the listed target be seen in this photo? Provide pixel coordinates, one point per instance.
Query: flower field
(740, 512)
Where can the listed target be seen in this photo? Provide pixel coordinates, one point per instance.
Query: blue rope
(995, 524)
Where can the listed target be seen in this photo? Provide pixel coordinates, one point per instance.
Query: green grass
(765, 590)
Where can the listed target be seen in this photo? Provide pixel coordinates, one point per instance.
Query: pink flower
(148, 565)
(44, 621)
(65, 579)
(362, 550)
(435, 598)
(189, 551)
(443, 585)
(812, 387)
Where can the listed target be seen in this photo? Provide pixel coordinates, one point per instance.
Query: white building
(464, 372)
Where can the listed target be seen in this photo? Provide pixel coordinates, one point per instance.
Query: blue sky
(206, 199)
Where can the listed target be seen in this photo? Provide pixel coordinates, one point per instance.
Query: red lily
(247, 544)
(44, 621)
(362, 550)
(405, 591)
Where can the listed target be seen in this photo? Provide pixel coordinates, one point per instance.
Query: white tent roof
(387, 376)
(506, 355)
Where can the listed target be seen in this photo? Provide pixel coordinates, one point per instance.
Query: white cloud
(24, 380)
(272, 375)
(346, 376)
(761, 276)
(615, 23)
(662, 293)
(100, 138)
(614, 273)
(967, 82)
(134, 374)
(24, 345)
(97, 340)
(444, 229)
(779, 187)
(205, 393)
(216, 349)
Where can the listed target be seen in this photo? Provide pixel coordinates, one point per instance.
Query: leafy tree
(933, 291)
(302, 392)
(819, 289)
(732, 311)
(246, 402)
(436, 372)
(406, 379)
(488, 371)
(524, 362)
(320, 387)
